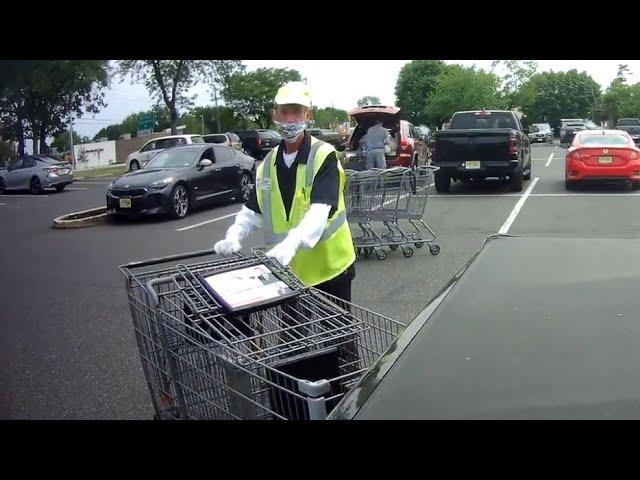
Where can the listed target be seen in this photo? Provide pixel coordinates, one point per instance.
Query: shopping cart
(291, 360)
(376, 198)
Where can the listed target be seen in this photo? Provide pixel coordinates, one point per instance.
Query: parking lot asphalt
(67, 342)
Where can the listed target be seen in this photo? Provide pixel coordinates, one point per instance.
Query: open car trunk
(366, 117)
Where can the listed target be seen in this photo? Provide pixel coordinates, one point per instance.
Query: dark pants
(340, 286)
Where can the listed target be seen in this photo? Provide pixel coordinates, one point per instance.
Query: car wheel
(2, 186)
(515, 180)
(245, 188)
(35, 186)
(634, 186)
(134, 165)
(60, 188)
(443, 182)
(569, 185)
(179, 206)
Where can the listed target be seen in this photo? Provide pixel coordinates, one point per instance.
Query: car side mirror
(205, 162)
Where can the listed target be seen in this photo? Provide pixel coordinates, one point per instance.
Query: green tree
(329, 117)
(169, 80)
(550, 96)
(251, 94)
(39, 97)
(61, 141)
(458, 88)
(517, 73)
(112, 132)
(416, 83)
(364, 101)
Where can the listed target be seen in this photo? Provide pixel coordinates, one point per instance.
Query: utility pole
(73, 155)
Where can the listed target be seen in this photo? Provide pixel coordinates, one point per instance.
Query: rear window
(470, 120)
(215, 138)
(628, 123)
(605, 140)
(197, 139)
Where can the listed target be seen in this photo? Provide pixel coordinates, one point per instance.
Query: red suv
(406, 147)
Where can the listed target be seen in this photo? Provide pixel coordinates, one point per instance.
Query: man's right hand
(227, 247)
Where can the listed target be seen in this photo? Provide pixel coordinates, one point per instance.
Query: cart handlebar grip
(153, 295)
(170, 258)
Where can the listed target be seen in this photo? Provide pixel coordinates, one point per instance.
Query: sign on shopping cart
(247, 288)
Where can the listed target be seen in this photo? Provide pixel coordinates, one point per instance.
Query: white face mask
(291, 131)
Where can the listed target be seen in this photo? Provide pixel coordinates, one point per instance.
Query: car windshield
(219, 138)
(174, 158)
(540, 127)
(632, 122)
(604, 140)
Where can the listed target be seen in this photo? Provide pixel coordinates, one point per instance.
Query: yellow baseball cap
(294, 92)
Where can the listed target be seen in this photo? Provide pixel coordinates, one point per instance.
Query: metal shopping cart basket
(381, 198)
(292, 360)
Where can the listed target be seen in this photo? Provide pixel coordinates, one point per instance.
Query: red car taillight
(259, 142)
(405, 146)
(575, 155)
(51, 169)
(513, 144)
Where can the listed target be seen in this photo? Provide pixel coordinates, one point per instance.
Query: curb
(85, 218)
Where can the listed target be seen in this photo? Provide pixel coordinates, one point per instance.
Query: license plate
(605, 159)
(125, 203)
(472, 165)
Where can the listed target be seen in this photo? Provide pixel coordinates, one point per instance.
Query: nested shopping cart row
(388, 207)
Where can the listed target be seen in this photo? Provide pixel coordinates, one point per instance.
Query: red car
(406, 148)
(602, 155)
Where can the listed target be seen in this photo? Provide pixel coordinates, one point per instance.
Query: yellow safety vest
(334, 251)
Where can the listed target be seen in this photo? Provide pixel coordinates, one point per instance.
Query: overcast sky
(337, 83)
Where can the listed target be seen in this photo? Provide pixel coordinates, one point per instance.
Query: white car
(229, 139)
(140, 158)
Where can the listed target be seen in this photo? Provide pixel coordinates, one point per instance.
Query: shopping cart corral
(378, 200)
(292, 359)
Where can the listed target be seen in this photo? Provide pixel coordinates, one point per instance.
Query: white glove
(286, 249)
(227, 247)
(246, 221)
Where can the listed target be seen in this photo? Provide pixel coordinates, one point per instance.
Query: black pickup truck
(631, 126)
(482, 144)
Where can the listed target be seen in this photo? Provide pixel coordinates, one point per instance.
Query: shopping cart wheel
(419, 244)
(393, 247)
(381, 254)
(368, 251)
(407, 251)
(434, 248)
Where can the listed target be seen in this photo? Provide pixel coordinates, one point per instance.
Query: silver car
(140, 158)
(35, 173)
(540, 132)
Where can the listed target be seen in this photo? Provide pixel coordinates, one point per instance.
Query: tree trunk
(44, 149)
(20, 137)
(174, 121)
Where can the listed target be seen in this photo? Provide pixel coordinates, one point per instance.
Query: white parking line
(514, 213)
(549, 161)
(76, 188)
(205, 222)
(2, 204)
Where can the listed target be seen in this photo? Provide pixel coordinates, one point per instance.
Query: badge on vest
(263, 183)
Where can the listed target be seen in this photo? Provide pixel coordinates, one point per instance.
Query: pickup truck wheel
(515, 180)
(443, 182)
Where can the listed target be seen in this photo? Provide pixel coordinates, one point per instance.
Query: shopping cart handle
(151, 291)
(170, 258)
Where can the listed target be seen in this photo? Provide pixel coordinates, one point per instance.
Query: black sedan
(181, 177)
